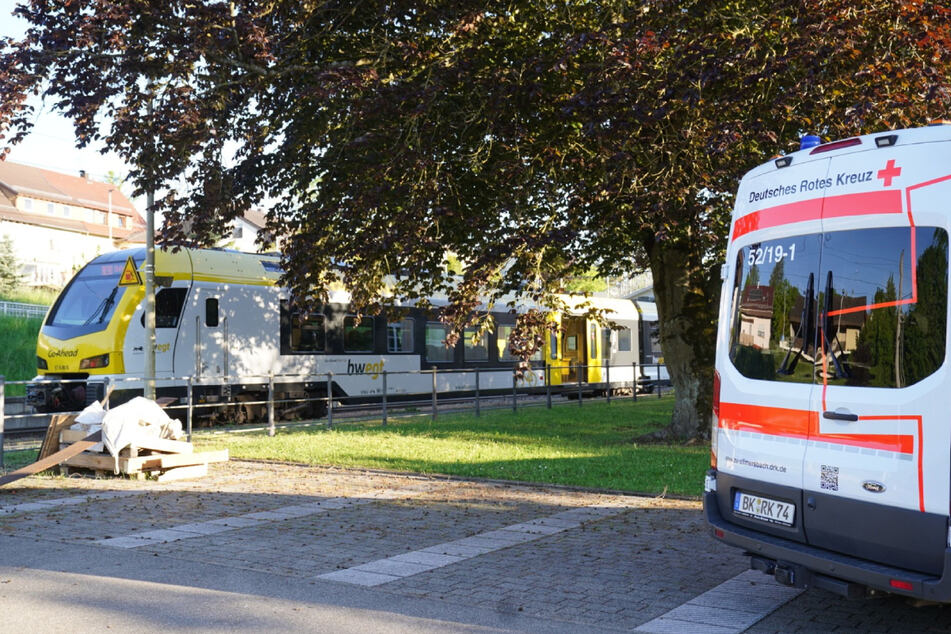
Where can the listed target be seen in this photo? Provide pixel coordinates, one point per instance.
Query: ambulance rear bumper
(823, 567)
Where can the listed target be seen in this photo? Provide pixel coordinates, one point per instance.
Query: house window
(238, 232)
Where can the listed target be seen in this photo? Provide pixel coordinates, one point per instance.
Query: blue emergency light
(808, 141)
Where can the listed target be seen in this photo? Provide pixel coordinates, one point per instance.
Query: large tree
(533, 141)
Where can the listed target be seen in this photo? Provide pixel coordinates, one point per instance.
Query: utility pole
(150, 296)
(150, 279)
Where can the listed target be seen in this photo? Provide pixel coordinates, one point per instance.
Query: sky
(52, 143)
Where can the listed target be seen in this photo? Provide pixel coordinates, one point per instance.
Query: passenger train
(223, 320)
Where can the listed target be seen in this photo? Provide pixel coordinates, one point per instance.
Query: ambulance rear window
(864, 307)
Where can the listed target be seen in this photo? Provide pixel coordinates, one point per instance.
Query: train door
(574, 348)
(202, 338)
(593, 357)
(553, 352)
(168, 313)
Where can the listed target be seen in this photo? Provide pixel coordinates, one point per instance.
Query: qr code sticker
(829, 478)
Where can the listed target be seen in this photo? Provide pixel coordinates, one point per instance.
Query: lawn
(18, 350)
(591, 446)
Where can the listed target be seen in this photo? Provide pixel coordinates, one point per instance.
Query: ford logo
(873, 487)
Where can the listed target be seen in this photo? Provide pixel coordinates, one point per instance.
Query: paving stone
(235, 522)
(358, 577)
(394, 568)
(428, 558)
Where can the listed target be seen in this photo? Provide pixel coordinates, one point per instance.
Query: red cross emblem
(889, 173)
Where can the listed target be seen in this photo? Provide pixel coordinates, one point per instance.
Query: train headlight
(100, 361)
(41, 364)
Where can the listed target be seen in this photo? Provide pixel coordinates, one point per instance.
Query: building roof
(255, 217)
(78, 191)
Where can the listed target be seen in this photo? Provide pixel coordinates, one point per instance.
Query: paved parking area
(467, 554)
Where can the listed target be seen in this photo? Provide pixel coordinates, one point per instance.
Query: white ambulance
(831, 456)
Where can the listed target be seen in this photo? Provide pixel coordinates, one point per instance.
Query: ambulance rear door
(876, 466)
(766, 350)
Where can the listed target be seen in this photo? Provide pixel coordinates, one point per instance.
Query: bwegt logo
(372, 369)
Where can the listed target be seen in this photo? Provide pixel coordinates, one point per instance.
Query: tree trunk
(687, 291)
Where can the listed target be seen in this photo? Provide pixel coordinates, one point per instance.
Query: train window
(476, 348)
(606, 343)
(593, 341)
(624, 340)
(308, 333)
(168, 307)
(211, 312)
(357, 334)
(399, 335)
(553, 345)
(436, 349)
(502, 343)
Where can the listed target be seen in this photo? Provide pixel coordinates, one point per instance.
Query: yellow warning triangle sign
(129, 276)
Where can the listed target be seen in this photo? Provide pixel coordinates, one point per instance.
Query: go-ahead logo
(56, 353)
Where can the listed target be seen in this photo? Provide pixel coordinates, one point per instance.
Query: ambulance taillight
(715, 422)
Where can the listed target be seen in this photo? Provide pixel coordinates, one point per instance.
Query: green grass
(18, 350)
(590, 446)
(25, 295)
(13, 460)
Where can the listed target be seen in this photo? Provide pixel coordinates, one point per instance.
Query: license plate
(764, 509)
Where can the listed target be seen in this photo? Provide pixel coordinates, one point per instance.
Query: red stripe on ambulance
(865, 203)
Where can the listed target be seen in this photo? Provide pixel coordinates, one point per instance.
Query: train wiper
(103, 308)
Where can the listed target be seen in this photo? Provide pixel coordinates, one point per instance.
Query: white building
(244, 232)
(58, 222)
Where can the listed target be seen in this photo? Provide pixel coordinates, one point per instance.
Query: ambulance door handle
(840, 414)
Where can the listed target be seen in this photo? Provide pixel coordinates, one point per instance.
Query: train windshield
(90, 298)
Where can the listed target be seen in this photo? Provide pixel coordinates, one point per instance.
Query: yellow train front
(84, 331)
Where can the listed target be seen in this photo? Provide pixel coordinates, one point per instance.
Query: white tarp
(122, 425)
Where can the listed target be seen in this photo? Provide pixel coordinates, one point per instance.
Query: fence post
(548, 385)
(580, 366)
(189, 400)
(435, 406)
(384, 397)
(478, 408)
(330, 400)
(3, 409)
(634, 382)
(514, 393)
(607, 379)
(270, 403)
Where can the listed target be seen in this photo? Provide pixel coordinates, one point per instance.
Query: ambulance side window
(772, 327)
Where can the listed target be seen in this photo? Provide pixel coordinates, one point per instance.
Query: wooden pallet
(158, 457)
